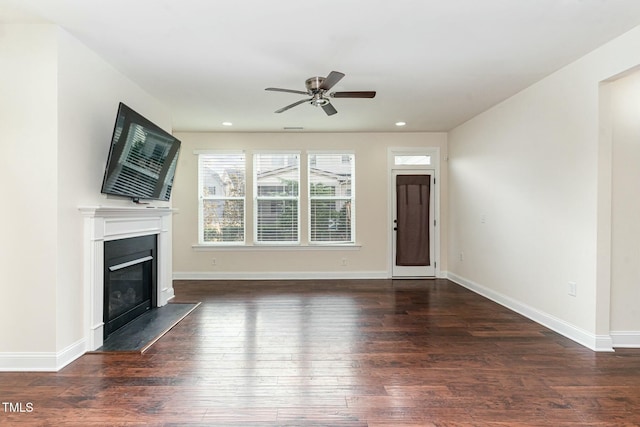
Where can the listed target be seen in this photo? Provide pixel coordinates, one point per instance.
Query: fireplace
(104, 225)
(130, 276)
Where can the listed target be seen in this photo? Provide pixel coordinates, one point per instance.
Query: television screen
(142, 159)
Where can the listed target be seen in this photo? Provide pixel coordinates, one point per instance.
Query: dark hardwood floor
(338, 353)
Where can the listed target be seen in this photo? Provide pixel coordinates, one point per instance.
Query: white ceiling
(433, 63)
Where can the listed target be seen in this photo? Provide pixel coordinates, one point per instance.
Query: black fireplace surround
(130, 277)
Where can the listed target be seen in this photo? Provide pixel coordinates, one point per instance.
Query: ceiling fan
(317, 88)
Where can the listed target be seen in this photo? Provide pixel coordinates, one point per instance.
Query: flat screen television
(142, 158)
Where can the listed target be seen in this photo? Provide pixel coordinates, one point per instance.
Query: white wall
(526, 200)
(625, 259)
(58, 109)
(372, 210)
(29, 176)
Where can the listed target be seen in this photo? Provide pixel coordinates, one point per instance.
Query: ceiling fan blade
(333, 78)
(302, 101)
(329, 109)
(356, 94)
(277, 89)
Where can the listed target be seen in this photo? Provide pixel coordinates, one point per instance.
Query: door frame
(434, 169)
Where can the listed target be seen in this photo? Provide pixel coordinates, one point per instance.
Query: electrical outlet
(461, 256)
(343, 262)
(214, 262)
(573, 289)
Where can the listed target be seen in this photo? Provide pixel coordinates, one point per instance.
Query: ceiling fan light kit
(319, 101)
(317, 88)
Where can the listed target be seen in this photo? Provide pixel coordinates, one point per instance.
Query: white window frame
(201, 198)
(257, 198)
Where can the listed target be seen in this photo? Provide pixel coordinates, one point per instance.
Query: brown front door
(413, 225)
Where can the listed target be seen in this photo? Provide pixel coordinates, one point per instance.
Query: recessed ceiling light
(400, 123)
(227, 124)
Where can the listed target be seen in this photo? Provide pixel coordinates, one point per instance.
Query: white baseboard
(279, 275)
(168, 294)
(585, 338)
(70, 354)
(626, 339)
(41, 361)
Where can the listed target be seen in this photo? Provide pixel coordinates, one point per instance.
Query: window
(276, 192)
(412, 160)
(331, 198)
(274, 198)
(221, 194)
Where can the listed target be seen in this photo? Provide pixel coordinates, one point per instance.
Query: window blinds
(222, 182)
(276, 192)
(331, 198)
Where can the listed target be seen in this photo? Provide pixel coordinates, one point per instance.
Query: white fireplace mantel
(102, 224)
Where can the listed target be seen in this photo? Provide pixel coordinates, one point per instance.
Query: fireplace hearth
(130, 276)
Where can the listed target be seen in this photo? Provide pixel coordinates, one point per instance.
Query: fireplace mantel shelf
(109, 211)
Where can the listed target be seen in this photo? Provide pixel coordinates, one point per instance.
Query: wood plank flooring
(338, 353)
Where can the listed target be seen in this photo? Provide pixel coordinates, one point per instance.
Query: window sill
(260, 248)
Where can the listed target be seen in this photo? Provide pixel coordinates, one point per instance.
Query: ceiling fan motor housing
(313, 84)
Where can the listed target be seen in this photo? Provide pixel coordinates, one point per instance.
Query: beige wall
(29, 242)
(529, 198)
(625, 259)
(370, 259)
